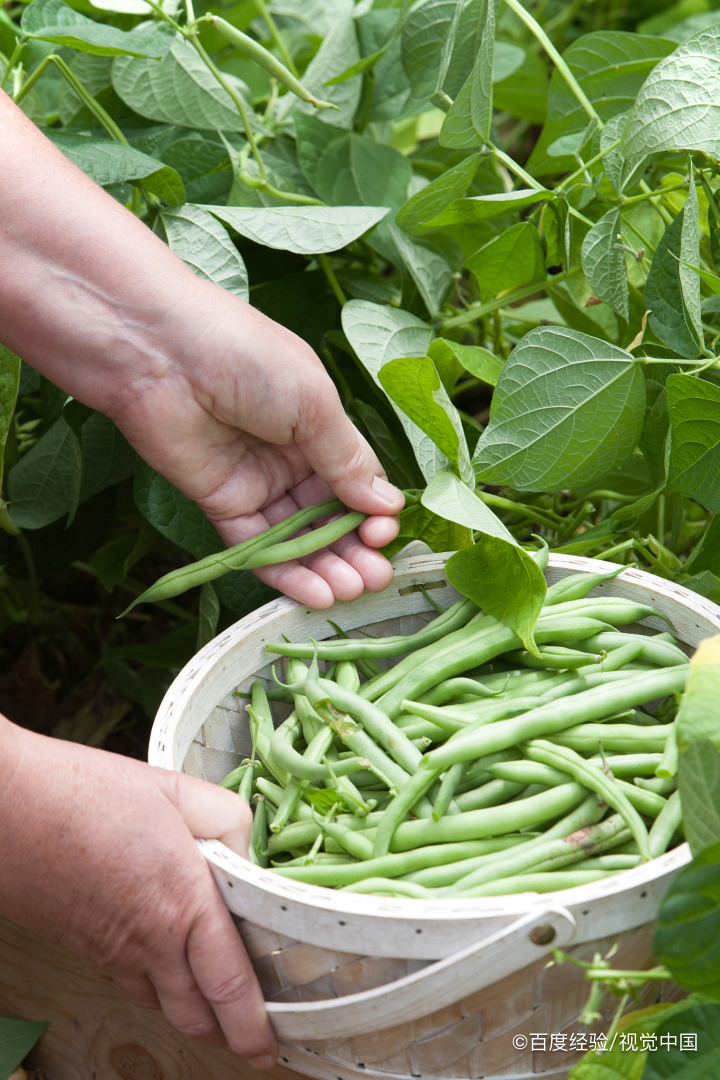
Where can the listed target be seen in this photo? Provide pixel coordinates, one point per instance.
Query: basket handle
(432, 987)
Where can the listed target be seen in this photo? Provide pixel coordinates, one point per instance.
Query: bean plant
(497, 224)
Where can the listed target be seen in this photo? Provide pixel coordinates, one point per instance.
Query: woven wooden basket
(392, 987)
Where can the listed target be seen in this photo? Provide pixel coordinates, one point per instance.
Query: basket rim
(227, 864)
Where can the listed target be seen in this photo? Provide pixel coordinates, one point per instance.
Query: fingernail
(265, 1062)
(385, 491)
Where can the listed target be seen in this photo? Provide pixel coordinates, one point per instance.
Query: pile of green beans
(471, 767)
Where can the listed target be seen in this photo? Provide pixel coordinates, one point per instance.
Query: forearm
(88, 294)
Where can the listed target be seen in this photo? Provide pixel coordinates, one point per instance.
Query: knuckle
(228, 990)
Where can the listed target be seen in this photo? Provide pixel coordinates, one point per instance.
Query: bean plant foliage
(498, 224)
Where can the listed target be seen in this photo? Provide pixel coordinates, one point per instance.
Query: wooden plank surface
(94, 1033)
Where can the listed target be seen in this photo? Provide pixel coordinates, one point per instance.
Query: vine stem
(276, 35)
(105, 121)
(476, 311)
(583, 168)
(332, 280)
(556, 58)
(16, 54)
(515, 168)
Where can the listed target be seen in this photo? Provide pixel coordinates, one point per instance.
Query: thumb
(212, 812)
(341, 457)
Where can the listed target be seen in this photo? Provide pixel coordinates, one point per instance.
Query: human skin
(240, 415)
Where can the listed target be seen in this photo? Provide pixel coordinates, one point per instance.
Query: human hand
(246, 422)
(232, 408)
(124, 885)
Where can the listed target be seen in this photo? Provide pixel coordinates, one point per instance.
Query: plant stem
(593, 161)
(522, 509)
(651, 194)
(332, 280)
(476, 311)
(275, 35)
(16, 54)
(515, 168)
(556, 58)
(237, 100)
(85, 96)
(32, 573)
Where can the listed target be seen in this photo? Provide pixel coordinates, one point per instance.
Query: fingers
(212, 812)
(337, 453)
(186, 1007)
(227, 982)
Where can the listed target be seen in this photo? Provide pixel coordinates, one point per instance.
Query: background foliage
(470, 239)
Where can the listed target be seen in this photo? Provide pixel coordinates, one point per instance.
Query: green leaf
(379, 334)
(512, 259)
(503, 580)
(323, 800)
(610, 67)
(179, 90)
(439, 42)
(469, 119)
(208, 615)
(478, 361)
(204, 246)
(604, 262)
(678, 107)
(567, 408)
(654, 439)
(711, 280)
(44, 483)
(699, 785)
(306, 230)
(312, 138)
(687, 931)
(17, 1038)
(355, 171)
(672, 1062)
(665, 295)
(523, 93)
(55, 21)
(697, 719)
(108, 457)
(109, 562)
(431, 200)
(706, 555)
(114, 163)
(10, 365)
(418, 523)
(617, 169)
(485, 207)
(694, 406)
(415, 387)
(449, 498)
(400, 471)
(429, 270)
(174, 515)
(704, 584)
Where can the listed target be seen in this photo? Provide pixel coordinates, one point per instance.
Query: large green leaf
(55, 21)
(512, 259)
(178, 90)
(697, 719)
(174, 515)
(485, 207)
(567, 408)
(524, 92)
(9, 382)
(699, 786)
(419, 523)
(114, 163)
(431, 200)
(706, 555)
(414, 385)
(45, 481)
(610, 67)
(469, 119)
(694, 406)
(379, 334)
(502, 578)
(429, 270)
(604, 262)
(17, 1038)
(355, 171)
(203, 244)
(687, 931)
(671, 318)
(306, 230)
(439, 42)
(654, 438)
(689, 1046)
(678, 108)
(108, 457)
